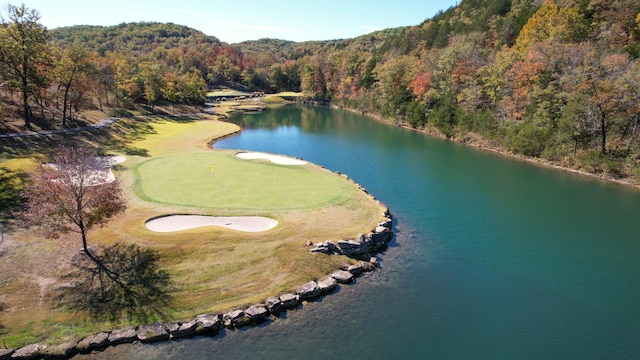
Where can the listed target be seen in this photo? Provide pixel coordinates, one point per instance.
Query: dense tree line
(556, 79)
(62, 72)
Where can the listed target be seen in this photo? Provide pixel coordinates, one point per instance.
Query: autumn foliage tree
(73, 71)
(73, 193)
(23, 53)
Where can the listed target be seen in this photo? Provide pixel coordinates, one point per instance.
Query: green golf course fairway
(220, 180)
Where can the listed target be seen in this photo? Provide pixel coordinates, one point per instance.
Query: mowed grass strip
(169, 136)
(221, 180)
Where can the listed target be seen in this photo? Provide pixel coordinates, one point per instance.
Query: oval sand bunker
(276, 159)
(171, 223)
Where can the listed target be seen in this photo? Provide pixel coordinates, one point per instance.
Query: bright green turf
(226, 92)
(220, 180)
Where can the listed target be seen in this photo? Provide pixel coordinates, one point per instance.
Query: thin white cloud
(370, 28)
(262, 28)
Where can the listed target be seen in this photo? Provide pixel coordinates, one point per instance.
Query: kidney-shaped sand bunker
(171, 223)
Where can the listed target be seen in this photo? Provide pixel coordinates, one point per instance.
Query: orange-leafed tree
(520, 79)
(421, 84)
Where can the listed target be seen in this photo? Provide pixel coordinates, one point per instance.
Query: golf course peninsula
(239, 236)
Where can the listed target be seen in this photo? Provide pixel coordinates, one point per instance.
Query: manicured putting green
(220, 180)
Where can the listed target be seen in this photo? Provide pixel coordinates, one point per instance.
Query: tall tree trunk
(106, 95)
(25, 107)
(65, 101)
(83, 233)
(25, 93)
(633, 134)
(603, 129)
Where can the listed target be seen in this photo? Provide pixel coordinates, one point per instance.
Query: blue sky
(234, 21)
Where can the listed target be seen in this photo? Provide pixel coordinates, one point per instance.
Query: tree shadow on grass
(125, 284)
(119, 134)
(11, 183)
(1, 326)
(10, 186)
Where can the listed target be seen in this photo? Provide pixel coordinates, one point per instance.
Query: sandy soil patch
(276, 159)
(173, 223)
(104, 164)
(102, 169)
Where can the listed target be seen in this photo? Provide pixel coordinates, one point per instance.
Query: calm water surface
(493, 258)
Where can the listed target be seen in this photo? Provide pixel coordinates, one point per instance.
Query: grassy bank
(169, 169)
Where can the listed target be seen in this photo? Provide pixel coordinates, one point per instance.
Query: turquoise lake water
(493, 258)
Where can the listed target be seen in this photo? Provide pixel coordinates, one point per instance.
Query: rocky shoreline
(362, 248)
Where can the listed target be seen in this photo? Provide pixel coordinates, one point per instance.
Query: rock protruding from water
(327, 284)
(290, 301)
(233, 319)
(257, 314)
(5, 354)
(209, 322)
(274, 305)
(351, 247)
(123, 336)
(64, 350)
(98, 341)
(309, 291)
(32, 351)
(152, 333)
(185, 330)
(342, 276)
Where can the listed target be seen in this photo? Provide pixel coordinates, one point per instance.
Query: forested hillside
(557, 80)
(553, 80)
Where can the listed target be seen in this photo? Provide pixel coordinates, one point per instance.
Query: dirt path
(102, 123)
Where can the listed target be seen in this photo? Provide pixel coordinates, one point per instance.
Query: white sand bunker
(276, 159)
(173, 223)
(99, 171)
(103, 165)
